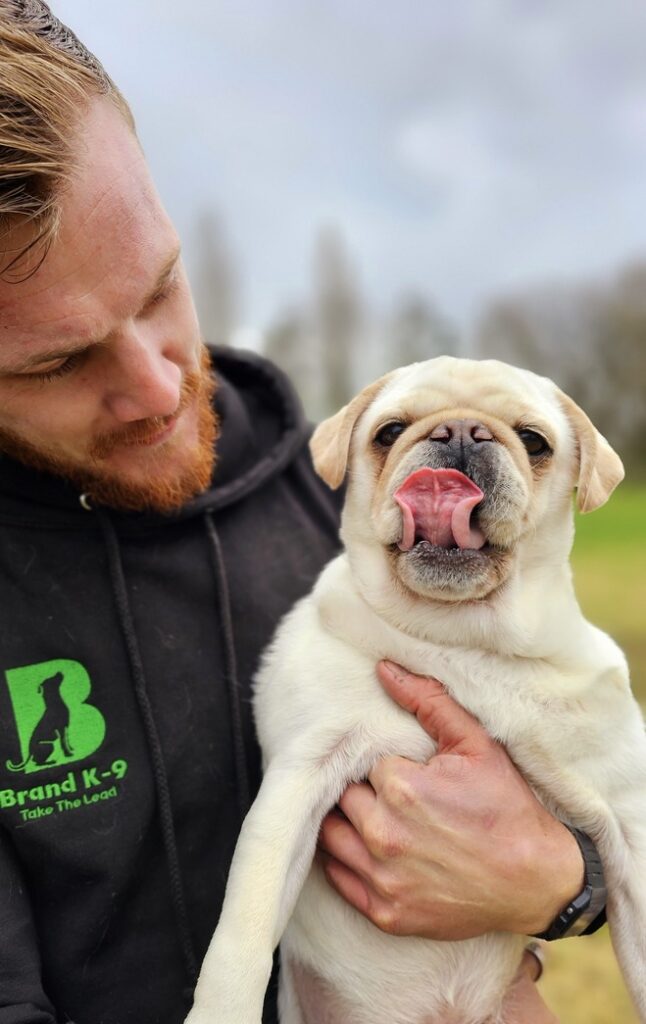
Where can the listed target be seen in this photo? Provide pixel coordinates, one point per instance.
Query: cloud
(464, 149)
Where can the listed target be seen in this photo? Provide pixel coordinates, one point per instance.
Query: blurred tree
(334, 347)
(337, 317)
(215, 285)
(620, 351)
(417, 332)
(591, 340)
(288, 342)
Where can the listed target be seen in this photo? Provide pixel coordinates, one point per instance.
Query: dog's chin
(452, 574)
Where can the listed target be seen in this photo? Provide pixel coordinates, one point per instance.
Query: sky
(465, 150)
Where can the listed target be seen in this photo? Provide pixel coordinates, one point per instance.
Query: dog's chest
(316, 999)
(320, 1003)
(341, 969)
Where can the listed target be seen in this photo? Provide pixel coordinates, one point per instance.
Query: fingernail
(395, 670)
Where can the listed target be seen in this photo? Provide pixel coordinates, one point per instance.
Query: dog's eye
(535, 444)
(387, 436)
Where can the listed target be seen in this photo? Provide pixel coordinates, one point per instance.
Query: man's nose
(142, 381)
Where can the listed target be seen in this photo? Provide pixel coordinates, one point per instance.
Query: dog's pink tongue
(436, 505)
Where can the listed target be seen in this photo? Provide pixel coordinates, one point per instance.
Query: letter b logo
(55, 723)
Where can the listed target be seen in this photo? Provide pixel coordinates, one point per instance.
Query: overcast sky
(465, 149)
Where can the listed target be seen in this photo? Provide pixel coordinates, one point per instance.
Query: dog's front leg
(625, 869)
(271, 861)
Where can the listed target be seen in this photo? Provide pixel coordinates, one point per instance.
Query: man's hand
(453, 848)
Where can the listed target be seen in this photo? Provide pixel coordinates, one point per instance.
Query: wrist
(579, 914)
(559, 878)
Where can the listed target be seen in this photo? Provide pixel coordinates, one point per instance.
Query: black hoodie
(127, 756)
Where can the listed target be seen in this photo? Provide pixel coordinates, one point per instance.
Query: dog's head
(51, 684)
(461, 470)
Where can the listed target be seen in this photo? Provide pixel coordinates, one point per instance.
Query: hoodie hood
(263, 429)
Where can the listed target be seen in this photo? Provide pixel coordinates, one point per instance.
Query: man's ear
(330, 443)
(600, 468)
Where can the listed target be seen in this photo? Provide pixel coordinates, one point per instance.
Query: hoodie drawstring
(231, 669)
(152, 736)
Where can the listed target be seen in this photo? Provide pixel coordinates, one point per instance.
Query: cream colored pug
(457, 527)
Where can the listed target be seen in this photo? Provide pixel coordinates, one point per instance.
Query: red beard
(156, 492)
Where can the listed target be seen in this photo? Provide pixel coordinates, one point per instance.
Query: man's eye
(165, 293)
(44, 376)
(387, 435)
(535, 444)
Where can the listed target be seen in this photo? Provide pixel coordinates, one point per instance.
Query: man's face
(103, 375)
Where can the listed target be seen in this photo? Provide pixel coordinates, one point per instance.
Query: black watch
(582, 911)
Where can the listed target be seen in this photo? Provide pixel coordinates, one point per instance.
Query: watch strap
(588, 905)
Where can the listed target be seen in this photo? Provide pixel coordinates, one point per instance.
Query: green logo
(55, 723)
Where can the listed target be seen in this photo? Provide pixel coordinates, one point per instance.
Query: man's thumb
(454, 729)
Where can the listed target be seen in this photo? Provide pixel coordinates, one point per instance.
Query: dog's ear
(600, 468)
(330, 443)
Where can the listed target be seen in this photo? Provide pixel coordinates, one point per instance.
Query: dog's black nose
(461, 432)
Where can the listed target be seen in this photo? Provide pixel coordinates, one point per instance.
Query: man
(140, 580)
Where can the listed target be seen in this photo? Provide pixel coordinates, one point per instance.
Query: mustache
(142, 431)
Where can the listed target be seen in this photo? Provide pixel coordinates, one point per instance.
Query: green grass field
(582, 983)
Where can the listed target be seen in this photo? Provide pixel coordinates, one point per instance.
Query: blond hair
(47, 79)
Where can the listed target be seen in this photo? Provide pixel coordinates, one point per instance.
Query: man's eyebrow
(72, 350)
